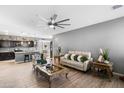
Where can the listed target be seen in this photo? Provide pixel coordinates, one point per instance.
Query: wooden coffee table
(103, 66)
(51, 73)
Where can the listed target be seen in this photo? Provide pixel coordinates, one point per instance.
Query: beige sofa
(77, 65)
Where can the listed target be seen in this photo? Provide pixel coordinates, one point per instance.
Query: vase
(106, 61)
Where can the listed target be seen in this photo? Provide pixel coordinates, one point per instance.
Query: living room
(61, 46)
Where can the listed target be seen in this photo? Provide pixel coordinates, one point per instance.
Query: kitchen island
(20, 56)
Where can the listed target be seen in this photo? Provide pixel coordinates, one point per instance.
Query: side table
(103, 66)
(57, 58)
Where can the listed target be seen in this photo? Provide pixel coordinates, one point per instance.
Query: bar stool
(26, 57)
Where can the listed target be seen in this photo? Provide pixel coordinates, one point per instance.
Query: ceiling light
(51, 26)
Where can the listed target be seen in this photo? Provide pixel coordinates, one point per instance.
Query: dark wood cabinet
(7, 56)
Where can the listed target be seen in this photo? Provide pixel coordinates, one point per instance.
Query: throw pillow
(66, 56)
(75, 58)
(72, 56)
(69, 56)
(79, 58)
(83, 58)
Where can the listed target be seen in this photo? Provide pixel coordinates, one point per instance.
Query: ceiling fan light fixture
(52, 23)
(51, 26)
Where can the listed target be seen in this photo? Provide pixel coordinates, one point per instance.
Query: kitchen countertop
(23, 52)
(28, 52)
(5, 51)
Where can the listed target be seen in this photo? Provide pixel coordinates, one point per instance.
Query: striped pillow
(79, 58)
(82, 58)
(66, 56)
(72, 56)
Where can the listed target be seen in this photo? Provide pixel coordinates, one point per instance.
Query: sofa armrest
(91, 59)
(86, 65)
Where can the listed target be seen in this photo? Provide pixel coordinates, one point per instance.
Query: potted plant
(106, 56)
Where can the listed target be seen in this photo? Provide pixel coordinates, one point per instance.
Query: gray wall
(108, 35)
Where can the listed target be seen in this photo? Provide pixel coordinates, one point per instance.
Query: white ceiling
(22, 20)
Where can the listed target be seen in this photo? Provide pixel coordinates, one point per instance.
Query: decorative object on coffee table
(49, 66)
(38, 59)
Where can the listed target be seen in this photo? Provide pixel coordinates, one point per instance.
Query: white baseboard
(118, 74)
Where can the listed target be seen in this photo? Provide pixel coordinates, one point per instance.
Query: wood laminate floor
(22, 76)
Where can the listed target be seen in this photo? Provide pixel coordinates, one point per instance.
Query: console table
(103, 66)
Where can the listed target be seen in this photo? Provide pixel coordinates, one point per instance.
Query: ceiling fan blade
(63, 24)
(63, 20)
(45, 20)
(60, 26)
(53, 18)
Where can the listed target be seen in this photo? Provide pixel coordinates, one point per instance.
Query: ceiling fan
(52, 23)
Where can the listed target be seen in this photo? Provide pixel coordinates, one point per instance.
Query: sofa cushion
(75, 64)
(88, 54)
